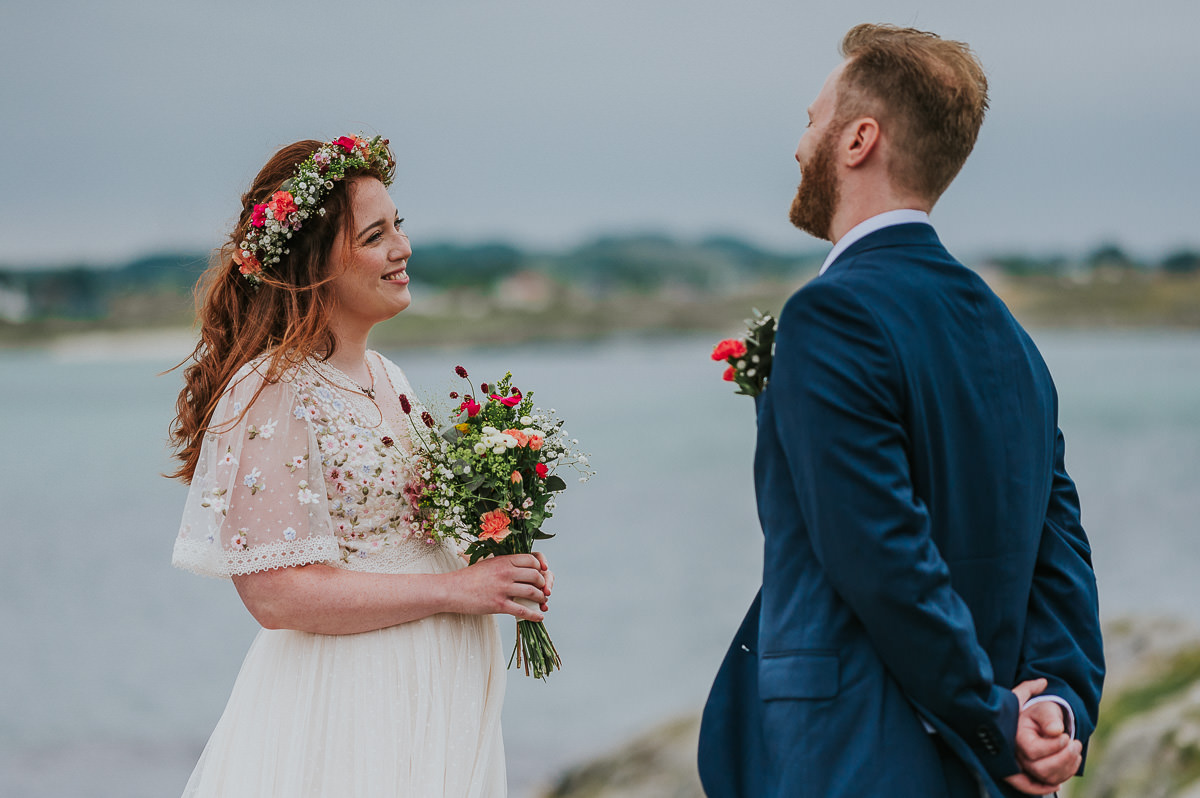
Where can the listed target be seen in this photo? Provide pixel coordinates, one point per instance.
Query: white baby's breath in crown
(273, 222)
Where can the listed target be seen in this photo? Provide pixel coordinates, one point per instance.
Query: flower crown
(273, 222)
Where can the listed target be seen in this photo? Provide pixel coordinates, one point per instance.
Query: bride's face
(369, 260)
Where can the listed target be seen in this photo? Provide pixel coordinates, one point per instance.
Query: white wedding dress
(312, 473)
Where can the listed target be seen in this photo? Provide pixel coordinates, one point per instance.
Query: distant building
(526, 291)
(14, 305)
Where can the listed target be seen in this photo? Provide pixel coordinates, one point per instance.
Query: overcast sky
(132, 127)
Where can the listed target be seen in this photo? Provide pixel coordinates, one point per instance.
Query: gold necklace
(354, 386)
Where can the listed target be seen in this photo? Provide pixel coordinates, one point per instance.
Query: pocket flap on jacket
(806, 674)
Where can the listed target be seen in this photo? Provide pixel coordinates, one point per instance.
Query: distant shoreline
(466, 318)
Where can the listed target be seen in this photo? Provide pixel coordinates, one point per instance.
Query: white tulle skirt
(413, 711)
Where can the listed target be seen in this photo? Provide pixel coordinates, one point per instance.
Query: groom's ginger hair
(928, 94)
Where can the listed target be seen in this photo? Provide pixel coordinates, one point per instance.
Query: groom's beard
(817, 197)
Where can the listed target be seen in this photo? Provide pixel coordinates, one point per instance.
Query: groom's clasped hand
(1046, 753)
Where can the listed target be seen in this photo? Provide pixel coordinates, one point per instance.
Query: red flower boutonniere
(749, 357)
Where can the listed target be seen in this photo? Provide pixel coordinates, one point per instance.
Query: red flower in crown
(542, 470)
(347, 143)
(259, 216)
(282, 204)
(730, 374)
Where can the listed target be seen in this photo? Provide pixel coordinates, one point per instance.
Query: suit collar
(870, 225)
(899, 235)
(904, 234)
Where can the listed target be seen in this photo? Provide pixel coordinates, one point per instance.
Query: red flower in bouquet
(488, 479)
(508, 401)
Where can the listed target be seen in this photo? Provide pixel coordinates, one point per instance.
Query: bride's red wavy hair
(287, 316)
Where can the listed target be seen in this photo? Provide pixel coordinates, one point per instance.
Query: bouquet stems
(534, 651)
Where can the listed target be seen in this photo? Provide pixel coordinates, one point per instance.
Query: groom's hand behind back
(1046, 754)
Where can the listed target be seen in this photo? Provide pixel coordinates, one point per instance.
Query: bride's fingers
(525, 561)
(524, 609)
(530, 576)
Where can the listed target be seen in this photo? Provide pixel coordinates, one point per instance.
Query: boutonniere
(749, 357)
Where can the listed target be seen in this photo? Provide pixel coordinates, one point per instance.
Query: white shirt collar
(868, 226)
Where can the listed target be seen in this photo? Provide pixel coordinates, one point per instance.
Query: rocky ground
(1147, 745)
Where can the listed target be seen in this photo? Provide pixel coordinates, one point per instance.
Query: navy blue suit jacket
(923, 548)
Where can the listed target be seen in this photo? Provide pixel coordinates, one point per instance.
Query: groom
(925, 571)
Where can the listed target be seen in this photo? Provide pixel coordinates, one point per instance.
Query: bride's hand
(489, 586)
(549, 575)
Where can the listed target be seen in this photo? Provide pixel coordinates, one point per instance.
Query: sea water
(116, 666)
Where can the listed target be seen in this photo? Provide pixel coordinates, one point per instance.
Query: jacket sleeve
(839, 410)
(1062, 641)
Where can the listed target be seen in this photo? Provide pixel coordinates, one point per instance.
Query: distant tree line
(1106, 257)
(601, 267)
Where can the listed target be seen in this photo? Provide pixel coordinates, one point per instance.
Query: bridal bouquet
(749, 357)
(488, 478)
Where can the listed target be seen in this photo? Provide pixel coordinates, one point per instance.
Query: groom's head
(905, 103)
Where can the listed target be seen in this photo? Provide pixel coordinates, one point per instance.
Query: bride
(378, 669)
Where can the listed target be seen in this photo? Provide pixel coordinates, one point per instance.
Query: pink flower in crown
(282, 204)
(246, 262)
(347, 143)
(259, 216)
(321, 158)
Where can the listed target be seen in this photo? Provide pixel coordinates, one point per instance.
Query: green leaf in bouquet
(555, 483)
(538, 534)
(450, 434)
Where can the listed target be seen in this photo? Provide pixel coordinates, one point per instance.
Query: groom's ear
(859, 141)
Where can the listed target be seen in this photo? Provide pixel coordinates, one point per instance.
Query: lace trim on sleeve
(205, 559)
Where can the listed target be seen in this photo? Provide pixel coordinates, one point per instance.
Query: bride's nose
(402, 249)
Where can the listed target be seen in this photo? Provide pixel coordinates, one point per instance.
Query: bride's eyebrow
(370, 227)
